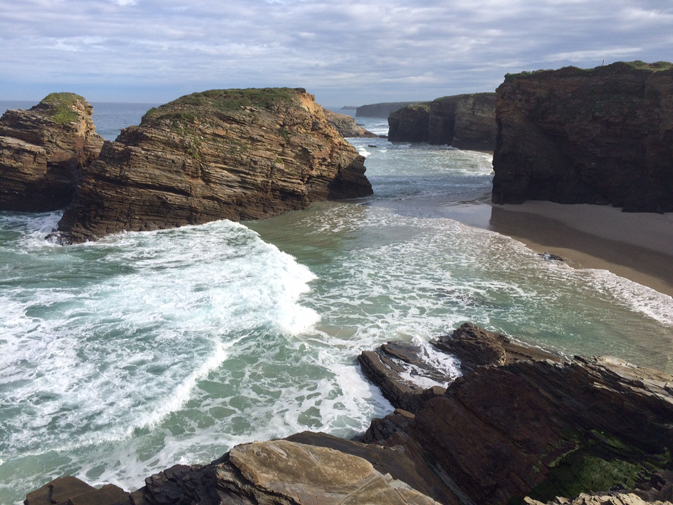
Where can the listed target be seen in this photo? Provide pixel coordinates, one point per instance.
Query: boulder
(220, 154)
(346, 126)
(597, 136)
(43, 151)
(462, 121)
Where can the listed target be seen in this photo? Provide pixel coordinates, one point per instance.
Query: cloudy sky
(343, 51)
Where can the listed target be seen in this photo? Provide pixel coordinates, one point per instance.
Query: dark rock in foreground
(43, 151)
(462, 121)
(346, 125)
(598, 136)
(220, 154)
(523, 426)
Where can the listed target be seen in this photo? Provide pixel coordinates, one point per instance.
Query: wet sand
(637, 246)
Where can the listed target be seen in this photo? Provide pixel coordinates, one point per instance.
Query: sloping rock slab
(346, 125)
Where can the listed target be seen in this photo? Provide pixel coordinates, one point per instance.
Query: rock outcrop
(220, 154)
(43, 151)
(540, 427)
(346, 126)
(276, 472)
(379, 109)
(463, 121)
(598, 136)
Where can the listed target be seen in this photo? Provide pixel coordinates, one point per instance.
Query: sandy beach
(637, 246)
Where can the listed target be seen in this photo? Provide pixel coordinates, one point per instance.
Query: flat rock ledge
(43, 152)
(221, 154)
(520, 425)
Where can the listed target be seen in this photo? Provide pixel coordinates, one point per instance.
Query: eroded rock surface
(598, 136)
(462, 121)
(275, 472)
(346, 125)
(516, 425)
(234, 154)
(43, 151)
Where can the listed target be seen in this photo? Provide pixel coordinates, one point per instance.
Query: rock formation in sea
(234, 154)
(598, 136)
(463, 121)
(379, 109)
(520, 426)
(346, 125)
(43, 151)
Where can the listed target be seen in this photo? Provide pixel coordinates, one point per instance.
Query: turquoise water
(123, 357)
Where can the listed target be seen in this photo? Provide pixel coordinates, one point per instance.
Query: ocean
(123, 357)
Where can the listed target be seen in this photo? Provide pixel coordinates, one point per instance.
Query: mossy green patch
(616, 67)
(61, 106)
(224, 100)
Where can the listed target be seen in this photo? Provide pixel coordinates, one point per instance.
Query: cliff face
(43, 150)
(465, 121)
(234, 154)
(600, 136)
(379, 109)
(346, 125)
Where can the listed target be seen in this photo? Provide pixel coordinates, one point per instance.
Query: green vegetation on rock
(223, 100)
(606, 69)
(61, 106)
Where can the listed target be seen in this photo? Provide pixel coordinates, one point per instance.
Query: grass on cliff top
(60, 106)
(225, 100)
(611, 68)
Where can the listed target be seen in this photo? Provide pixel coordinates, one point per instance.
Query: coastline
(636, 246)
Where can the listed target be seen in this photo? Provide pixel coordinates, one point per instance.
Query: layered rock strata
(598, 136)
(523, 426)
(463, 121)
(220, 154)
(43, 151)
(346, 126)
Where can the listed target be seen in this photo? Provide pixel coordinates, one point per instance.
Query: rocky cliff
(43, 150)
(379, 109)
(600, 136)
(463, 121)
(234, 154)
(520, 426)
(346, 125)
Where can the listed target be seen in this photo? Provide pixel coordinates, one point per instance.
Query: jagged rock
(346, 125)
(600, 499)
(380, 109)
(475, 346)
(462, 121)
(220, 154)
(598, 136)
(43, 151)
(72, 491)
(391, 368)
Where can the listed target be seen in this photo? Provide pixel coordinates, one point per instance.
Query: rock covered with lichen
(221, 154)
(43, 151)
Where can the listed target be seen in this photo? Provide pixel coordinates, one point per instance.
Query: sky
(345, 52)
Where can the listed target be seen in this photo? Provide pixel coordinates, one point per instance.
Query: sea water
(123, 357)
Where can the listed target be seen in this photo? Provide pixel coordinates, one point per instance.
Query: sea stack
(463, 121)
(221, 154)
(43, 151)
(597, 136)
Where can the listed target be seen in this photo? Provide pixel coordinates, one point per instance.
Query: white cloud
(368, 49)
